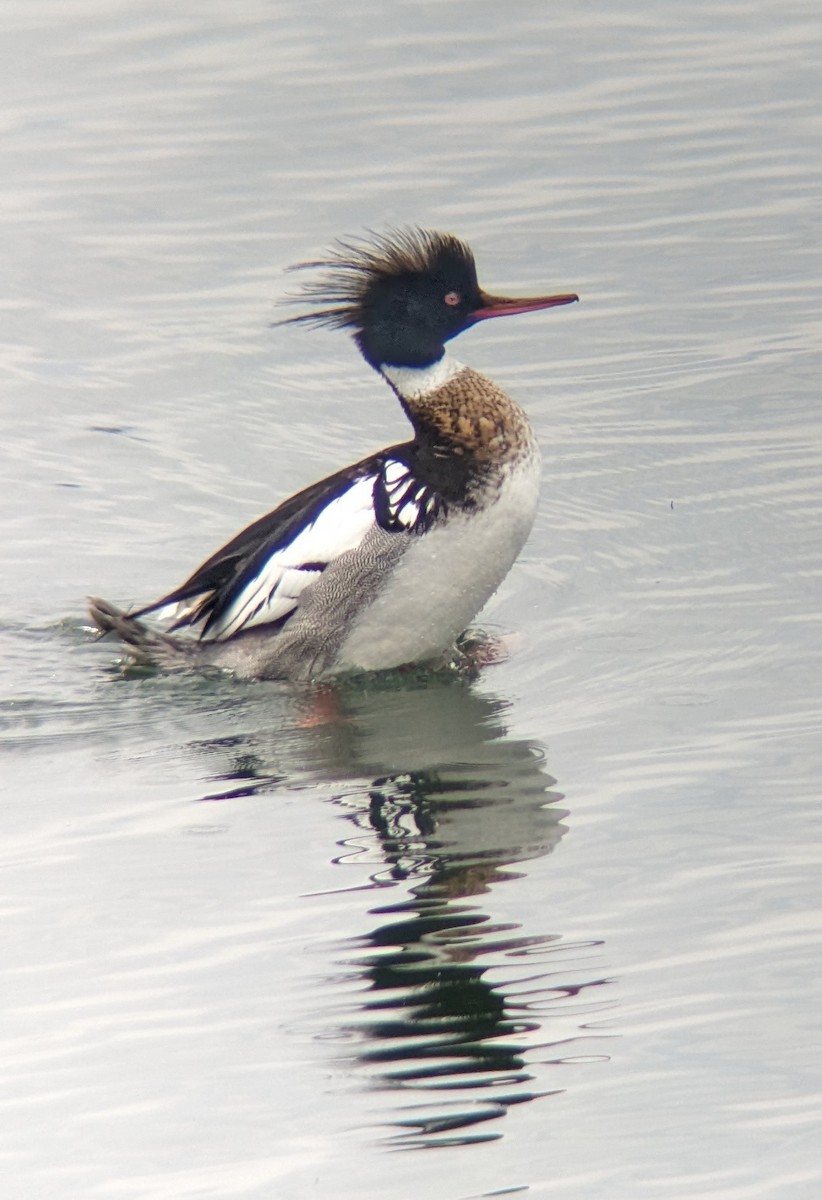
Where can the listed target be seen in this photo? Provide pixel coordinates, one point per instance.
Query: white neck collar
(412, 383)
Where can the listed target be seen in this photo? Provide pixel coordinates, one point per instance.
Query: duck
(383, 564)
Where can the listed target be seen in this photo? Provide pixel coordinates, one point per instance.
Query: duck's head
(406, 293)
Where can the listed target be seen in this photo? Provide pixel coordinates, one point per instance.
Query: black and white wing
(270, 588)
(259, 577)
(402, 501)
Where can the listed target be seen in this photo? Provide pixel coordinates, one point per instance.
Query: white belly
(443, 580)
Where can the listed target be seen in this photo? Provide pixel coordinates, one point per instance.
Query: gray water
(560, 927)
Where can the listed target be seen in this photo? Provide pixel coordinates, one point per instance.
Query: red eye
(452, 299)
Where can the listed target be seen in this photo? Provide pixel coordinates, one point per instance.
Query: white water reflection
(452, 1004)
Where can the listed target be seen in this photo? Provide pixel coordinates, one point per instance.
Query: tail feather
(145, 645)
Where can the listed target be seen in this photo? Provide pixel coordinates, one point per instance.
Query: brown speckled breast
(470, 416)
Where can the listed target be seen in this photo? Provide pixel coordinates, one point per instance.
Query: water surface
(559, 926)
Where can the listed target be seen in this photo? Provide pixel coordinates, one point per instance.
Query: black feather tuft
(339, 298)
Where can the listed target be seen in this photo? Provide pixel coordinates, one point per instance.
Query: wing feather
(277, 580)
(260, 576)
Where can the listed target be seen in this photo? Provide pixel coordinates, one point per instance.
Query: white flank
(412, 383)
(276, 588)
(444, 578)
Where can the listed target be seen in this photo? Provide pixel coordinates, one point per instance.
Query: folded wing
(271, 586)
(260, 576)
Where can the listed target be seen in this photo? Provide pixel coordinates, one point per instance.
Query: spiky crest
(356, 267)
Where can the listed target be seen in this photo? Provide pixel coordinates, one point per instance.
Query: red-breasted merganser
(386, 562)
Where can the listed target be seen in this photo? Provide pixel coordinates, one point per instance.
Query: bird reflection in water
(457, 1008)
